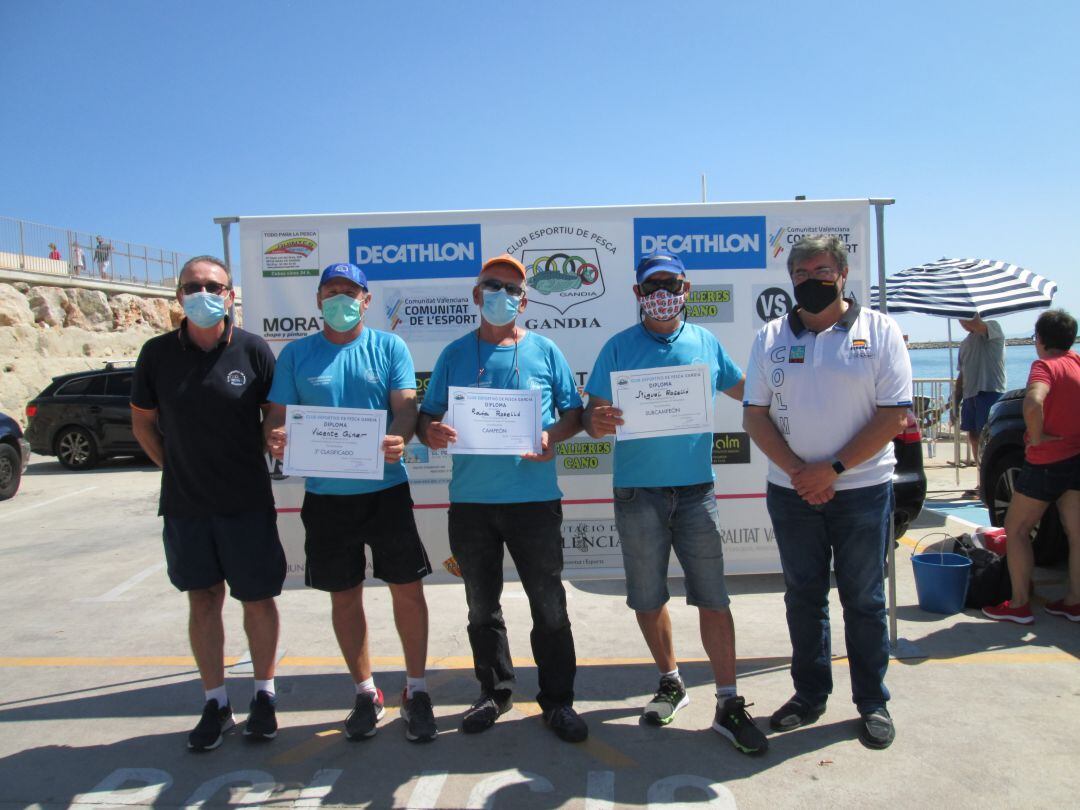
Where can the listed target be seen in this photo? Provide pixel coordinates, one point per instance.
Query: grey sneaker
(418, 716)
(669, 698)
(210, 731)
(734, 722)
(367, 711)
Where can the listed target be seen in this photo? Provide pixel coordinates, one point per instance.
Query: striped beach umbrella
(959, 288)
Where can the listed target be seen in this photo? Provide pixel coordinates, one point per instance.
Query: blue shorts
(1048, 482)
(241, 549)
(652, 521)
(974, 411)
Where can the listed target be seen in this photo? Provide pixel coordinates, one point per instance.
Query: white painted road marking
(51, 500)
(116, 594)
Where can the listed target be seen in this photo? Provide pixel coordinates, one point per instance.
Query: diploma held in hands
(672, 401)
(494, 421)
(334, 442)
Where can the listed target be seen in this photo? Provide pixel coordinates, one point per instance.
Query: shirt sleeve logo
(236, 378)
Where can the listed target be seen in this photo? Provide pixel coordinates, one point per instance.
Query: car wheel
(75, 449)
(10, 471)
(1048, 536)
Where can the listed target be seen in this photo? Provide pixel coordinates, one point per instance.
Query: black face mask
(814, 295)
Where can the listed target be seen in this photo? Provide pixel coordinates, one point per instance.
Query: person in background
(54, 253)
(103, 256)
(1051, 471)
(78, 259)
(982, 378)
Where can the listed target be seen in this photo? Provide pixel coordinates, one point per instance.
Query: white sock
(725, 692)
(220, 695)
(265, 686)
(673, 674)
(367, 686)
(415, 685)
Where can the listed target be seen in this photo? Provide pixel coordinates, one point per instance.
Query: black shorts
(242, 549)
(338, 526)
(1048, 482)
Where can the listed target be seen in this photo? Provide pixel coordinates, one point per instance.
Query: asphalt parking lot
(98, 691)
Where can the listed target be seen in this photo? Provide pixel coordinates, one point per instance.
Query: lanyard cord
(657, 338)
(480, 367)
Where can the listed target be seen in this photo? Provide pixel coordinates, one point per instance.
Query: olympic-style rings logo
(566, 265)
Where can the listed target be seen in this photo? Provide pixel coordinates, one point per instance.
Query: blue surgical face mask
(499, 307)
(204, 309)
(342, 312)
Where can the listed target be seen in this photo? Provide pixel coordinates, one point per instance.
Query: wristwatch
(838, 466)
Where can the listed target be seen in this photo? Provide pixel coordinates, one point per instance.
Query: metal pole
(952, 387)
(22, 247)
(879, 212)
(704, 188)
(226, 224)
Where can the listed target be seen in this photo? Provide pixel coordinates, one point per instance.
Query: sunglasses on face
(494, 285)
(823, 273)
(212, 287)
(651, 285)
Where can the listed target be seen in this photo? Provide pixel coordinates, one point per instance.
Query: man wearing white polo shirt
(827, 388)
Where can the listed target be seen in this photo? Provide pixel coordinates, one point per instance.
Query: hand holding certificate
(494, 421)
(334, 442)
(673, 401)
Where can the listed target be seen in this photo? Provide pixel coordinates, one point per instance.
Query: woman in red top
(53, 252)
(1051, 470)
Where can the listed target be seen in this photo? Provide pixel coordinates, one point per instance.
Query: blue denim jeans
(851, 530)
(532, 533)
(652, 521)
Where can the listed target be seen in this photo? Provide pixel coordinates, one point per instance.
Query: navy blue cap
(659, 261)
(346, 271)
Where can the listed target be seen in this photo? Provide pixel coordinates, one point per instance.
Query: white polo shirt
(821, 389)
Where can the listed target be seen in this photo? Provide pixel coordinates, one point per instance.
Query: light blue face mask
(499, 307)
(342, 312)
(204, 309)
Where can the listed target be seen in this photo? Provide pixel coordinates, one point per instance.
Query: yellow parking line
(309, 748)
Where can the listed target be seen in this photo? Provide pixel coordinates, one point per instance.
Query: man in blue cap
(664, 498)
(348, 365)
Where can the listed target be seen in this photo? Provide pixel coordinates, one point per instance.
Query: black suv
(1001, 453)
(84, 417)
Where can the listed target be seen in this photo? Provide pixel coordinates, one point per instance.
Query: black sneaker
(482, 715)
(368, 711)
(210, 732)
(735, 723)
(796, 712)
(669, 698)
(262, 718)
(566, 723)
(876, 729)
(419, 718)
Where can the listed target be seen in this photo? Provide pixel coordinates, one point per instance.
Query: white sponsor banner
(580, 276)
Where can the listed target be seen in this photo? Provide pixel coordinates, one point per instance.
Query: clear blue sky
(144, 120)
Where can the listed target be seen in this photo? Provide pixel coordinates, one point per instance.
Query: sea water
(934, 364)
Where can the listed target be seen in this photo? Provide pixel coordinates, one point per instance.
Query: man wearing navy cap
(348, 365)
(664, 498)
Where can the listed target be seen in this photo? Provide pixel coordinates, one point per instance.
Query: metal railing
(35, 248)
(938, 418)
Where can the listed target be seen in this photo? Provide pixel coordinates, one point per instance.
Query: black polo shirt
(210, 419)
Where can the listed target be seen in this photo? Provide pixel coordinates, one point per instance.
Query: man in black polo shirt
(197, 400)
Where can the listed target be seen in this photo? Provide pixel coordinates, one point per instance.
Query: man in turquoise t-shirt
(664, 498)
(511, 501)
(350, 366)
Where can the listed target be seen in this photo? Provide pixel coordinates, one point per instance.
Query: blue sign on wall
(704, 243)
(417, 251)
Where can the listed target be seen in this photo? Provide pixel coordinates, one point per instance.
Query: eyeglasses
(494, 285)
(823, 273)
(651, 285)
(212, 287)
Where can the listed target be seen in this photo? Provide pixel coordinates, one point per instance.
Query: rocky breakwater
(46, 331)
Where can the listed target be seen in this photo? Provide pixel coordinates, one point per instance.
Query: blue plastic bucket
(941, 580)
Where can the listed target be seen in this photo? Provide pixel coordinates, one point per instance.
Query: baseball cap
(505, 258)
(659, 261)
(346, 271)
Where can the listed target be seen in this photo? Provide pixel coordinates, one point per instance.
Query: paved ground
(97, 692)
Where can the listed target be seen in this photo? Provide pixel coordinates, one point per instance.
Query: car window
(83, 386)
(119, 385)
